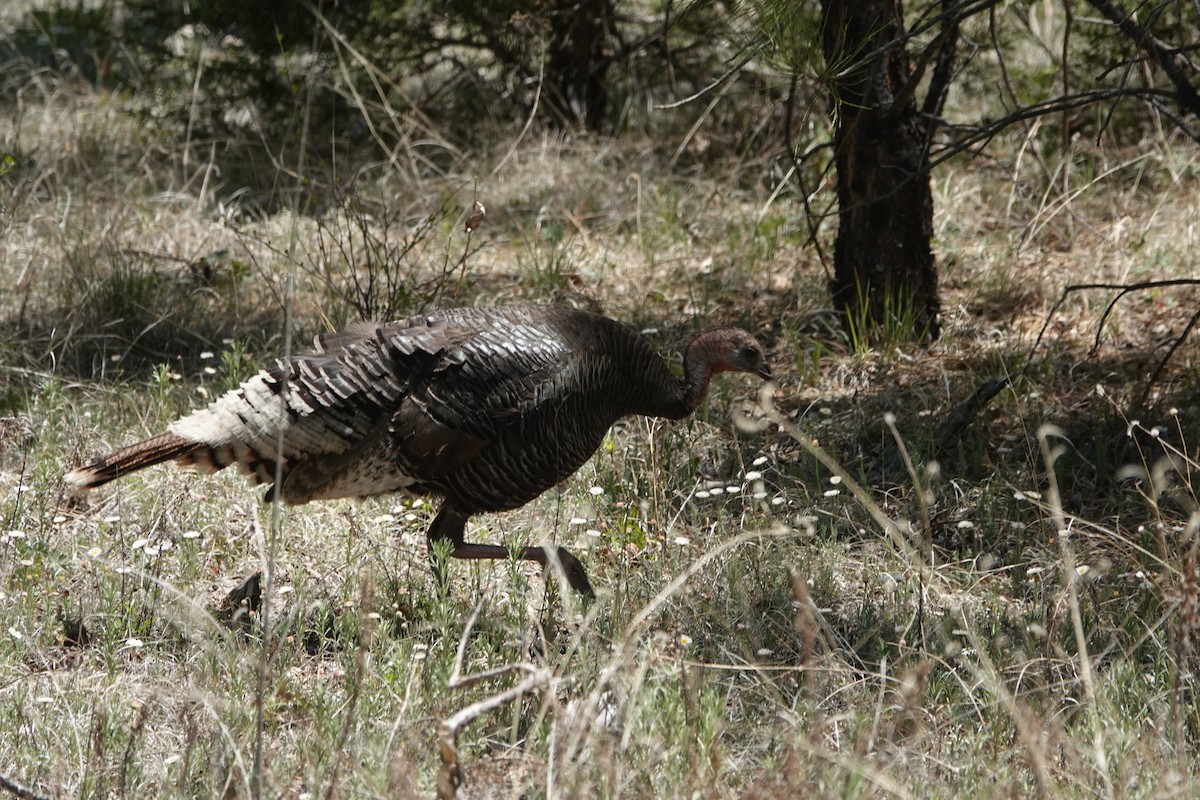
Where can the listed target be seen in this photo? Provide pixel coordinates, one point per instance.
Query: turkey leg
(450, 524)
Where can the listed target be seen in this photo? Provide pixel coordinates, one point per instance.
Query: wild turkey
(486, 407)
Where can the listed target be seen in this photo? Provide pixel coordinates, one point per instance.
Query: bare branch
(450, 773)
(1122, 289)
(1185, 92)
(19, 790)
(811, 219)
(981, 134)
(1162, 365)
(943, 69)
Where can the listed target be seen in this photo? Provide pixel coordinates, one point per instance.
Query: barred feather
(486, 407)
(156, 450)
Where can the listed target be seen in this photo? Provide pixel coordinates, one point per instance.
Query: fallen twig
(450, 772)
(965, 412)
(19, 790)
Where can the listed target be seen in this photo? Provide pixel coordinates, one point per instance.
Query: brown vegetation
(794, 597)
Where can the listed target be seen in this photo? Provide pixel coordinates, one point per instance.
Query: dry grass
(1017, 619)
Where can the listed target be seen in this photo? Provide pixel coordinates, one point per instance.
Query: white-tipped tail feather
(155, 450)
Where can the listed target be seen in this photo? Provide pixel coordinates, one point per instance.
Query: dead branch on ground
(450, 772)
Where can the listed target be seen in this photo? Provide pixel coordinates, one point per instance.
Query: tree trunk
(884, 272)
(580, 55)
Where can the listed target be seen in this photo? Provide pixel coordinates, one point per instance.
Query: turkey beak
(764, 372)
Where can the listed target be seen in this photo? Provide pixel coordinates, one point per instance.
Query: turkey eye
(748, 352)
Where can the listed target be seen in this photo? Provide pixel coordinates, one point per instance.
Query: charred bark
(580, 55)
(884, 271)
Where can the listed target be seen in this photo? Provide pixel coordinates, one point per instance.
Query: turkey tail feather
(155, 450)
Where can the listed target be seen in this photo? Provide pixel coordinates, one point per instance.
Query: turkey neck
(679, 397)
(698, 367)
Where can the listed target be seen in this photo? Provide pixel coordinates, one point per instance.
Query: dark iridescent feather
(486, 407)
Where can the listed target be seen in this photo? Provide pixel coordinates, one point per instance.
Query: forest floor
(854, 600)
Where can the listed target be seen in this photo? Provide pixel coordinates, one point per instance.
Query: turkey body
(485, 407)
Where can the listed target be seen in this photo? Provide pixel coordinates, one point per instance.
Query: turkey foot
(450, 525)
